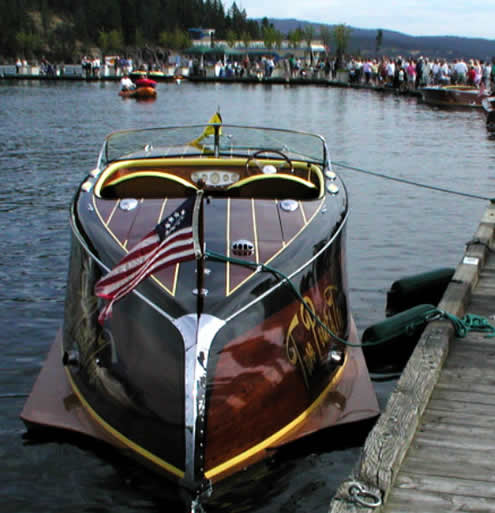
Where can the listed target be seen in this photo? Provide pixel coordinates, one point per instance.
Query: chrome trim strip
(198, 336)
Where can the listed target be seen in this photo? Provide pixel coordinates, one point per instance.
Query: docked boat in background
(207, 320)
(453, 95)
(488, 105)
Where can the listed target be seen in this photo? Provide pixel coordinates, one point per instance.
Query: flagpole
(200, 265)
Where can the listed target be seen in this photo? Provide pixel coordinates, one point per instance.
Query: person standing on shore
(460, 69)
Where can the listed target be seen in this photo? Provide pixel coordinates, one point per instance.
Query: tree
(326, 36)
(231, 38)
(295, 37)
(379, 40)
(341, 34)
(309, 34)
(176, 40)
(62, 42)
(279, 37)
(246, 39)
(269, 36)
(29, 44)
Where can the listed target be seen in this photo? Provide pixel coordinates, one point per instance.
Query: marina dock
(431, 449)
(74, 73)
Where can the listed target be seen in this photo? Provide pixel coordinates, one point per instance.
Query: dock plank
(446, 485)
(409, 501)
(431, 450)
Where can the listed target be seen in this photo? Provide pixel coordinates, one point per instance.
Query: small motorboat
(144, 92)
(453, 95)
(207, 320)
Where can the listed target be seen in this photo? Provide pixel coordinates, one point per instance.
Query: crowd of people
(414, 73)
(401, 73)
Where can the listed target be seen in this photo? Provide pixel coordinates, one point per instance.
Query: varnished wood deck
(433, 448)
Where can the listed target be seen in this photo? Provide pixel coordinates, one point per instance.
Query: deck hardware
(336, 357)
(148, 148)
(128, 204)
(202, 292)
(330, 175)
(363, 496)
(242, 247)
(332, 188)
(269, 169)
(289, 205)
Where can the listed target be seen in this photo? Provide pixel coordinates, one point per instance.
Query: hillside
(363, 41)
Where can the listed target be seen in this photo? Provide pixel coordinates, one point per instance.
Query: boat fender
(388, 344)
(410, 291)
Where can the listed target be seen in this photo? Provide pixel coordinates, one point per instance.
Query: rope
(281, 276)
(469, 322)
(410, 182)
(462, 326)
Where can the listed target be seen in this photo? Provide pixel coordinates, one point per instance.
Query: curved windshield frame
(212, 139)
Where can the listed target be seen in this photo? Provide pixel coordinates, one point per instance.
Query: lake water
(51, 133)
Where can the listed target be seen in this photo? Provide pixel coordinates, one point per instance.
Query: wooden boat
(453, 95)
(140, 93)
(234, 344)
(488, 105)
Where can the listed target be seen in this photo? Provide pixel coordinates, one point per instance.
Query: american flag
(173, 240)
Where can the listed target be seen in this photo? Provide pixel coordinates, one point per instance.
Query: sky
(465, 18)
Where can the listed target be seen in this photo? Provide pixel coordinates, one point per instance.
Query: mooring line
(411, 182)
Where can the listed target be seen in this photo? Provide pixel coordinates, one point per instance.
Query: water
(51, 133)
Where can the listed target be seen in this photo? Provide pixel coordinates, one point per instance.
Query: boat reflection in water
(207, 321)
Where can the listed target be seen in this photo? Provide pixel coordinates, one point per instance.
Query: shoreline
(324, 82)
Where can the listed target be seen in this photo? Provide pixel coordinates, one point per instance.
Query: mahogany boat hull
(453, 96)
(203, 371)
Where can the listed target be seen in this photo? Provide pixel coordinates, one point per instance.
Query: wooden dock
(433, 448)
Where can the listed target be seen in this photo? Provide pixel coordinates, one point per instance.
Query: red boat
(145, 82)
(207, 319)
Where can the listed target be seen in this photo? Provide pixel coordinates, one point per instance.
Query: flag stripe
(173, 240)
(126, 271)
(159, 261)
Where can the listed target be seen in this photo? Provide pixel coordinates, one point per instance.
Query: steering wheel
(259, 152)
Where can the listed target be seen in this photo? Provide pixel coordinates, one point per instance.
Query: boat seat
(274, 186)
(147, 184)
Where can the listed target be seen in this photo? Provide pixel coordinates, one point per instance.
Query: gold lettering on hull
(307, 342)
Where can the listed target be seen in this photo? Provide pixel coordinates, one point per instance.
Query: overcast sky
(469, 18)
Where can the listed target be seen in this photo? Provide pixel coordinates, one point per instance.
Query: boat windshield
(212, 139)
